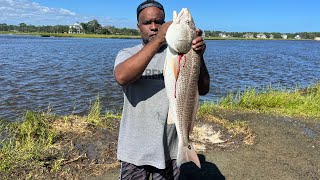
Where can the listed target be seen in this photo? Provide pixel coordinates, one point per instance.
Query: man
(147, 143)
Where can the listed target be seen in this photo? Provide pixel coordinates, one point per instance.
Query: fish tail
(187, 154)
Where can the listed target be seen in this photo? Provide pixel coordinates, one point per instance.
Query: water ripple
(65, 74)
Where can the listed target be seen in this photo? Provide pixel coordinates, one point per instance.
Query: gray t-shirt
(145, 137)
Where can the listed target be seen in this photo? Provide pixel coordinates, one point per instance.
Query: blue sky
(226, 15)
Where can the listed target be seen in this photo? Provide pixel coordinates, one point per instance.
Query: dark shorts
(133, 172)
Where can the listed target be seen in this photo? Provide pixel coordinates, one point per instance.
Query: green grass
(123, 36)
(297, 102)
(95, 111)
(33, 144)
(76, 35)
(26, 141)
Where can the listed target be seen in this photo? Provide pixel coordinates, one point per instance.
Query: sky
(285, 16)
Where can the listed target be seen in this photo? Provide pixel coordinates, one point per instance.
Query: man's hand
(162, 31)
(198, 43)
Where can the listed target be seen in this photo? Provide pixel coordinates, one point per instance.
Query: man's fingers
(199, 32)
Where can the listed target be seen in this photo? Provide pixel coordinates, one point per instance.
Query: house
(76, 28)
(284, 36)
(317, 38)
(248, 35)
(261, 36)
(223, 35)
(271, 36)
(297, 36)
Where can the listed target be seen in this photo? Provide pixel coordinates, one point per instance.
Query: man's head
(150, 16)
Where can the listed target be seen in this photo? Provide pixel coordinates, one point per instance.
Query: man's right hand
(162, 31)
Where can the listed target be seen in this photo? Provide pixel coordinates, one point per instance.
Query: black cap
(149, 3)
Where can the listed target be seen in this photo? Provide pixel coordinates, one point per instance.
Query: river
(64, 75)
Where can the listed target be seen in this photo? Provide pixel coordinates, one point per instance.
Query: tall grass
(33, 143)
(95, 110)
(297, 102)
(26, 141)
(74, 35)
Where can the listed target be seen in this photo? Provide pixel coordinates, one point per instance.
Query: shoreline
(50, 146)
(133, 37)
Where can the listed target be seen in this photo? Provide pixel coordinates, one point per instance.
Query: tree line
(91, 27)
(94, 27)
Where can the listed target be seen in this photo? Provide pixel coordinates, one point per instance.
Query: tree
(93, 26)
(22, 27)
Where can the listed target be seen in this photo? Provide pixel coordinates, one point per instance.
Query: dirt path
(284, 148)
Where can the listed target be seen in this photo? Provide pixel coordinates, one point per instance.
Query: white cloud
(26, 11)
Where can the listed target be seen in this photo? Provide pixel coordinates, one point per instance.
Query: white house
(248, 35)
(297, 36)
(223, 35)
(284, 36)
(261, 36)
(76, 28)
(271, 36)
(317, 38)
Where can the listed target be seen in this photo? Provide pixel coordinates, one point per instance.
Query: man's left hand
(198, 43)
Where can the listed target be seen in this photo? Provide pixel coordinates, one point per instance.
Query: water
(65, 74)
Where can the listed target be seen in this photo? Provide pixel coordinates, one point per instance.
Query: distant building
(284, 36)
(297, 36)
(317, 38)
(261, 36)
(223, 35)
(248, 35)
(76, 28)
(271, 36)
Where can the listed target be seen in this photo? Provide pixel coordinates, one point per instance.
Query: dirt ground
(284, 148)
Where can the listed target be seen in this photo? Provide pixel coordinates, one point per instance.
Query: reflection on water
(65, 74)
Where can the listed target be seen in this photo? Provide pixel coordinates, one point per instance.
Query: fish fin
(175, 69)
(187, 154)
(175, 15)
(170, 119)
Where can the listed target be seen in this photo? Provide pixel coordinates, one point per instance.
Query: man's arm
(204, 79)
(131, 69)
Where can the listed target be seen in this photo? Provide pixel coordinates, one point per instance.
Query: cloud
(26, 11)
(17, 11)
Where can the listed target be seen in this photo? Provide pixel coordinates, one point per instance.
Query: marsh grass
(75, 35)
(42, 143)
(27, 141)
(297, 102)
(95, 111)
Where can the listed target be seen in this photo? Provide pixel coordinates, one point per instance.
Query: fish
(181, 73)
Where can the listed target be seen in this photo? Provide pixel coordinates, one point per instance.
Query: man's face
(150, 19)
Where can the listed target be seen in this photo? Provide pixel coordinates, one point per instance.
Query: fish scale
(187, 88)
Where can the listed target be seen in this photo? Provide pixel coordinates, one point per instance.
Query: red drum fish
(181, 74)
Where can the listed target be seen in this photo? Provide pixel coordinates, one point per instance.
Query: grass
(27, 142)
(76, 35)
(42, 143)
(297, 102)
(122, 36)
(33, 146)
(95, 111)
